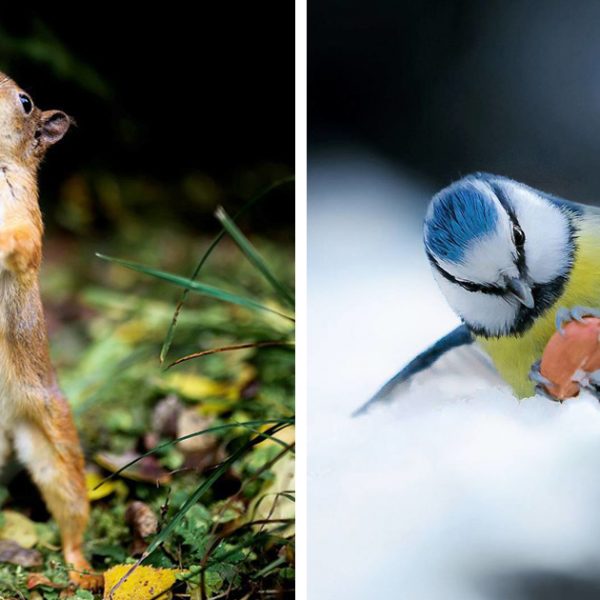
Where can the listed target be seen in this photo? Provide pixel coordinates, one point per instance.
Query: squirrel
(36, 418)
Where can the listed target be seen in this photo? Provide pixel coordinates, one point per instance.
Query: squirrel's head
(26, 132)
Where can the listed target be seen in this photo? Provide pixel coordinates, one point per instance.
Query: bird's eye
(26, 103)
(518, 236)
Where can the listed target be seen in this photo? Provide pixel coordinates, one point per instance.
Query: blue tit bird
(514, 263)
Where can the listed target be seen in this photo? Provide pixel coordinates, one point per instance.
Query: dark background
(446, 87)
(177, 110)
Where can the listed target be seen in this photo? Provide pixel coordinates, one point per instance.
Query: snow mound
(456, 490)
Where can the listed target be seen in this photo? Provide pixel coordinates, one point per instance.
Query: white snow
(456, 486)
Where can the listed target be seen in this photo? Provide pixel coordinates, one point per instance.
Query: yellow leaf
(92, 479)
(134, 331)
(216, 396)
(18, 528)
(287, 435)
(196, 387)
(145, 583)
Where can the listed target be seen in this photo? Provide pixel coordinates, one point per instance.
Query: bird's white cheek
(547, 258)
(547, 235)
(486, 311)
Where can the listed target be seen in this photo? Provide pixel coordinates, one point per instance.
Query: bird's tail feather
(457, 337)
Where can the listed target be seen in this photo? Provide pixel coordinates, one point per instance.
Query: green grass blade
(199, 288)
(247, 206)
(190, 501)
(199, 492)
(253, 255)
(274, 439)
(246, 424)
(270, 567)
(193, 498)
(258, 537)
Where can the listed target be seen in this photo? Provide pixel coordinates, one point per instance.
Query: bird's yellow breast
(514, 355)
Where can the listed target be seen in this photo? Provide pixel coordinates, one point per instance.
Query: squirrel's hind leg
(5, 447)
(49, 447)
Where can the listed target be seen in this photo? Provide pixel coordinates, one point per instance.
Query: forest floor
(211, 516)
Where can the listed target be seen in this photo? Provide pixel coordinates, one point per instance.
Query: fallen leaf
(145, 583)
(165, 415)
(148, 469)
(141, 518)
(197, 387)
(134, 331)
(201, 460)
(92, 480)
(200, 451)
(143, 522)
(11, 552)
(36, 579)
(287, 436)
(191, 421)
(18, 528)
(200, 388)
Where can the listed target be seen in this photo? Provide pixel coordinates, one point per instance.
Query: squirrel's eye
(26, 103)
(518, 236)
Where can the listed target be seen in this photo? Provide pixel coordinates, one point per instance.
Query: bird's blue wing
(457, 337)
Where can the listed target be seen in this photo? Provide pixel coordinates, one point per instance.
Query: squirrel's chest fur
(513, 356)
(24, 363)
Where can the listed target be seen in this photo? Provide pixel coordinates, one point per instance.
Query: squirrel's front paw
(19, 250)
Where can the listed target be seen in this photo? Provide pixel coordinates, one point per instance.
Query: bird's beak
(521, 291)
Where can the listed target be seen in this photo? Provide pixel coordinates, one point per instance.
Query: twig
(229, 348)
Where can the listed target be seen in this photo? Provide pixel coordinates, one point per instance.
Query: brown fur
(35, 415)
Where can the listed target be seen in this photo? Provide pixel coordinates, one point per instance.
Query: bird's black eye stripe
(26, 103)
(470, 286)
(517, 231)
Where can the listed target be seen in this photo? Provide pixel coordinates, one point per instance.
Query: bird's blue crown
(458, 215)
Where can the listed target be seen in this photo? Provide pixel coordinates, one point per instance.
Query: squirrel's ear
(53, 126)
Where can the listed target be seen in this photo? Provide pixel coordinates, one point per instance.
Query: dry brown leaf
(36, 579)
(191, 421)
(143, 522)
(147, 469)
(165, 415)
(11, 552)
(142, 519)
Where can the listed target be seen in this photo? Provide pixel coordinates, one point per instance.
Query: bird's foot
(591, 382)
(577, 313)
(536, 376)
(541, 383)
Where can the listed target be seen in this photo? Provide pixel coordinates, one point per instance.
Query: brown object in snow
(569, 357)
